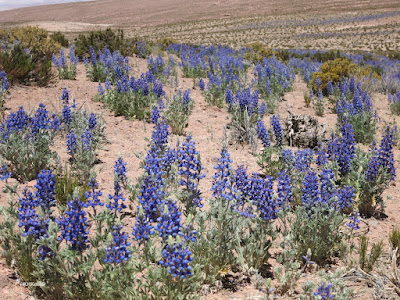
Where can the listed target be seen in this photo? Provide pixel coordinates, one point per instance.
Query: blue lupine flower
(40, 120)
(229, 98)
(150, 198)
(73, 225)
(318, 83)
(329, 88)
(169, 221)
(4, 172)
(86, 139)
(345, 197)
(100, 90)
(45, 190)
(324, 290)
(65, 96)
(71, 143)
(223, 185)
(66, 115)
(120, 169)
(354, 221)
(262, 110)
(263, 133)
(92, 122)
(343, 149)
(328, 189)
(55, 123)
(155, 114)
(190, 170)
(120, 178)
(186, 98)
(93, 196)
(201, 84)
(284, 190)
(262, 195)
(322, 157)
(383, 158)
(160, 133)
(276, 126)
(142, 229)
(243, 183)
(310, 196)
(117, 251)
(28, 218)
(177, 258)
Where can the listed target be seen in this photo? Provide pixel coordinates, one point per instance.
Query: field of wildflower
(178, 171)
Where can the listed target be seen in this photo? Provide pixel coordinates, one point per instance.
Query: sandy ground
(155, 12)
(206, 125)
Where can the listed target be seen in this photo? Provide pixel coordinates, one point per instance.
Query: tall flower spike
(190, 170)
(45, 190)
(223, 185)
(142, 229)
(169, 223)
(177, 258)
(73, 225)
(117, 251)
(310, 196)
(276, 126)
(284, 189)
(263, 133)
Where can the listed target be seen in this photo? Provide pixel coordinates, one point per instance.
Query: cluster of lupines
(159, 67)
(82, 136)
(106, 65)
(262, 133)
(178, 111)
(322, 191)
(278, 131)
(324, 291)
(73, 225)
(177, 259)
(117, 251)
(355, 106)
(353, 99)
(133, 97)
(116, 203)
(274, 78)
(29, 204)
(218, 85)
(249, 194)
(305, 67)
(342, 149)
(31, 137)
(66, 70)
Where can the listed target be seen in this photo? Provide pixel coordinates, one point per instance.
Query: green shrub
(27, 55)
(366, 261)
(319, 230)
(66, 183)
(178, 111)
(113, 40)
(60, 38)
(335, 70)
(394, 240)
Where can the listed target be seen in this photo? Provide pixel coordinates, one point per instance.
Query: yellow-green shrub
(28, 60)
(335, 70)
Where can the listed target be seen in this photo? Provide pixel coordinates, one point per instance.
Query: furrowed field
(148, 168)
